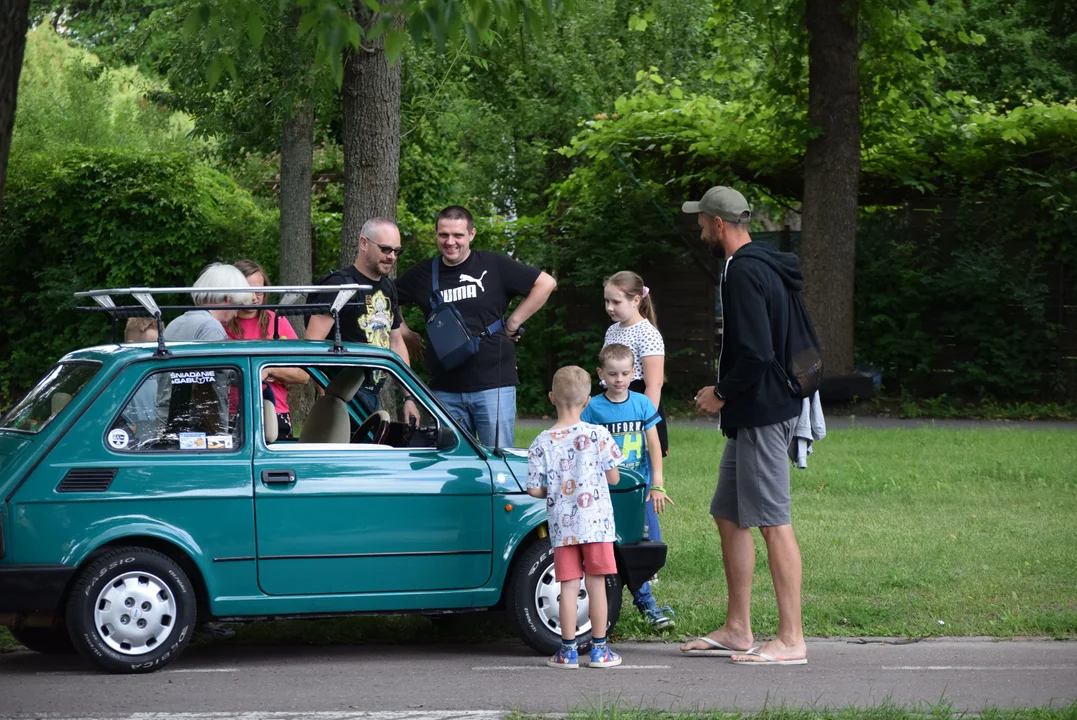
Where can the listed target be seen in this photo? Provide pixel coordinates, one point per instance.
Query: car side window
(182, 409)
(365, 407)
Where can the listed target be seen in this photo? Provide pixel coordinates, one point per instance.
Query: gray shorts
(753, 478)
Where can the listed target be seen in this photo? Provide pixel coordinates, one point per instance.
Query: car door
(351, 517)
(175, 466)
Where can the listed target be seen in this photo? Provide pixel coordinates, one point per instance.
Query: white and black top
(642, 339)
(481, 287)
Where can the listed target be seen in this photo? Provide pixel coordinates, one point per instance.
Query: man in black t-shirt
(371, 316)
(481, 284)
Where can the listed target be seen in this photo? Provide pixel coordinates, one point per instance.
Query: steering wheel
(376, 424)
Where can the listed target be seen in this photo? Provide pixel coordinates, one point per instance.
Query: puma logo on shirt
(477, 281)
(465, 291)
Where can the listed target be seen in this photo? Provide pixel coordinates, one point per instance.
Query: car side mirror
(446, 438)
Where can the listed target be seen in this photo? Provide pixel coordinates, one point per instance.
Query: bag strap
(493, 328)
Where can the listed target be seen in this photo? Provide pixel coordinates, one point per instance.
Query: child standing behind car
(572, 465)
(632, 420)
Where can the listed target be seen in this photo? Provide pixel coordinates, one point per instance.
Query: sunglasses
(387, 249)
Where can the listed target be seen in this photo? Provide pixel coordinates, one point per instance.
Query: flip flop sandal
(767, 659)
(717, 649)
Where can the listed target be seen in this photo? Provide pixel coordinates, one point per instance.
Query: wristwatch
(718, 394)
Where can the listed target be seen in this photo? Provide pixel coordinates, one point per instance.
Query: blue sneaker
(660, 617)
(566, 658)
(603, 657)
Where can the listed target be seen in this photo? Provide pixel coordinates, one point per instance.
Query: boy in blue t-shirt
(631, 419)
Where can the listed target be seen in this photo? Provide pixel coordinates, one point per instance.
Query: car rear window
(49, 397)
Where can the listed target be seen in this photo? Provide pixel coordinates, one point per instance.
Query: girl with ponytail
(630, 306)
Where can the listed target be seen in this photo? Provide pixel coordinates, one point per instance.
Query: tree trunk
(371, 138)
(14, 17)
(832, 177)
(296, 168)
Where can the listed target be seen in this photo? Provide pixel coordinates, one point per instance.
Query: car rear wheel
(534, 601)
(132, 610)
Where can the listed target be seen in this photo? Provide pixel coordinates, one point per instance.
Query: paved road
(341, 682)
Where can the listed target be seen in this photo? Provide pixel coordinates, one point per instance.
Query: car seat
(329, 421)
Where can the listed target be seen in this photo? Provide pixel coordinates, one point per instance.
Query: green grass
(899, 529)
(885, 711)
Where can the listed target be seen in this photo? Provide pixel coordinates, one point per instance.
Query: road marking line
(494, 668)
(203, 670)
(979, 667)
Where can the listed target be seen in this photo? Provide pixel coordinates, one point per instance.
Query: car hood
(516, 462)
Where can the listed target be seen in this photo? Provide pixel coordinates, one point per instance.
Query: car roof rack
(147, 306)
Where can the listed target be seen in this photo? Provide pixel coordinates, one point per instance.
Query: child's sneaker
(603, 657)
(660, 617)
(566, 657)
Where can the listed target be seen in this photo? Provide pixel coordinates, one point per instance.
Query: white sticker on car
(219, 442)
(192, 441)
(118, 438)
(193, 377)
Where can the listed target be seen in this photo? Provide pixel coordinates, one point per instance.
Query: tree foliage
(105, 190)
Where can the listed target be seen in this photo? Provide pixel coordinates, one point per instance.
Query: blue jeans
(479, 413)
(644, 597)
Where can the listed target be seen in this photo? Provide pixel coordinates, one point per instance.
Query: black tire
(534, 566)
(160, 597)
(53, 640)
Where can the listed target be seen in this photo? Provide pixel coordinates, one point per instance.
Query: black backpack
(803, 371)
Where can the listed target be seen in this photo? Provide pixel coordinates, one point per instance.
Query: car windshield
(51, 395)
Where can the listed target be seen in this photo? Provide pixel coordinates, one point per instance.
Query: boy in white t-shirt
(572, 465)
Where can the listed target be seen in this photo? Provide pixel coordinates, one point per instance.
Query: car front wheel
(132, 610)
(534, 601)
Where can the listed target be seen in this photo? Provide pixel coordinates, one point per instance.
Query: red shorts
(570, 561)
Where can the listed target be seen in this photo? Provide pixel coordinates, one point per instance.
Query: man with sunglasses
(371, 316)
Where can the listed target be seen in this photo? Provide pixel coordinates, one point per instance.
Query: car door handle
(278, 477)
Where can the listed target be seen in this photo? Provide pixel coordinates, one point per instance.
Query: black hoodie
(755, 308)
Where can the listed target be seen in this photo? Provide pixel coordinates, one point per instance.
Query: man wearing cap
(757, 415)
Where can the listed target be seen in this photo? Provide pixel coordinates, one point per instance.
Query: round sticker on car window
(118, 438)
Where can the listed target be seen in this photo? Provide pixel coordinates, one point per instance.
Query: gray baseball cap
(723, 202)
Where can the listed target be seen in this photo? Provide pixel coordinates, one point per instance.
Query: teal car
(144, 491)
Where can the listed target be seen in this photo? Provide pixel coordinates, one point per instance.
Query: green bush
(107, 218)
(960, 303)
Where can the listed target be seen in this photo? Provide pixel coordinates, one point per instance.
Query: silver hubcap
(547, 604)
(135, 613)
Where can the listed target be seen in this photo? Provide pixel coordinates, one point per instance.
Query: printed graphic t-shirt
(250, 329)
(370, 315)
(572, 463)
(481, 287)
(627, 422)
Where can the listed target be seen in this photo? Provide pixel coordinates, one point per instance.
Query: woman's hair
(248, 268)
(632, 285)
(218, 275)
